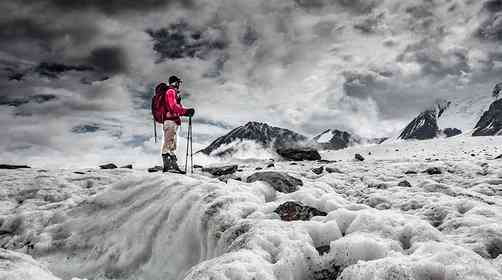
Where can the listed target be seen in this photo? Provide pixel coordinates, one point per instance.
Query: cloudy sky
(76, 77)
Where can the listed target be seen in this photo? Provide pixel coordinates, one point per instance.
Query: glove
(190, 112)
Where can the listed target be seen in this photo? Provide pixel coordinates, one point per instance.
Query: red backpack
(159, 106)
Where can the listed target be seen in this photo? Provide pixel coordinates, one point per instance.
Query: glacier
(128, 224)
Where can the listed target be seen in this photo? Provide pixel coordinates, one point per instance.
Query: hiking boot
(174, 165)
(166, 159)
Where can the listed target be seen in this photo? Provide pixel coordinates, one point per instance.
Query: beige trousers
(169, 143)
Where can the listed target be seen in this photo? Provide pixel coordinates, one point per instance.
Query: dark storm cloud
(359, 85)
(181, 40)
(109, 6)
(491, 27)
(55, 70)
(16, 102)
(358, 6)
(109, 59)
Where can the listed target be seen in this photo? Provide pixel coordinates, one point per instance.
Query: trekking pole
(191, 148)
(188, 143)
(155, 130)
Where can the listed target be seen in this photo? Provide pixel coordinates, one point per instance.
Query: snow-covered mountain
(334, 139)
(491, 121)
(447, 118)
(261, 133)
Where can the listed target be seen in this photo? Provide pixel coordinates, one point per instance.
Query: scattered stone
(221, 170)
(323, 249)
(12, 166)
(270, 165)
(499, 156)
(433, 171)
(280, 181)
(299, 154)
(473, 155)
(108, 166)
(293, 163)
(379, 186)
(359, 157)
(258, 168)
(333, 170)
(155, 169)
(128, 166)
(369, 153)
(196, 166)
(225, 178)
(318, 170)
(240, 170)
(326, 161)
(294, 211)
(404, 184)
(79, 172)
(410, 172)
(397, 150)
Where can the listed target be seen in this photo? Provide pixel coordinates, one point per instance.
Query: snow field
(123, 224)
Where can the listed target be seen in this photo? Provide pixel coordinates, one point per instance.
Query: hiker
(167, 110)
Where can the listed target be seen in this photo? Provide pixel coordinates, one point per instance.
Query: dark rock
(293, 163)
(270, 165)
(323, 249)
(318, 170)
(196, 166)
(262, 133)
(405, 184)
(433, 171)
(490, 123)
(359, 157)
(410, 172)
(280, 181)
(380, 186)
(294, 211)
(108, 166)
(333, 170)
(326, 161)
(221, 170)
(128, 166)
(337, 140)
(499, 156)
(155, 169)
(494, 247)
(79, 172)
(225, 178)
(258, 168)
(299, 154)
(450, 132)
(11, 166)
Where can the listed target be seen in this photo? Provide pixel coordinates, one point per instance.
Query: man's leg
(169, 147)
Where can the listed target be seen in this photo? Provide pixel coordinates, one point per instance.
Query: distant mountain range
(468, 116)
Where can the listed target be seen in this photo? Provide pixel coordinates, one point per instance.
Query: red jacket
(176, 110)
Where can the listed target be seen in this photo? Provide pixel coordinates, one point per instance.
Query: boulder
(12, 166)
(155, 169)
(225, 178)
(270, 165)
(299, 154)
(405, 184)
(450, 132)
(108, 166)
(280, 181)
(128, 166)
(333, 170)
(294, 211)
(359, 157)
(318, 170)
(218, 171)
(433, 171)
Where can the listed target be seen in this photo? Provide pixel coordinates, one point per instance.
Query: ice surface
(128, 224)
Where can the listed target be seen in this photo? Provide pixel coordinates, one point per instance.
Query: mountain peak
(260, 133)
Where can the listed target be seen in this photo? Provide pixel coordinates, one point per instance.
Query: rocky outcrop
(12, 166)
(108, 166)
(261, 133)
(491, 121)
(280, 181)
(334, 139)
(294, 211)
(450, 132)
(221, 170)
(299, 154)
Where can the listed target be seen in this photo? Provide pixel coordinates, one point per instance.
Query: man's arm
(174, 106)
